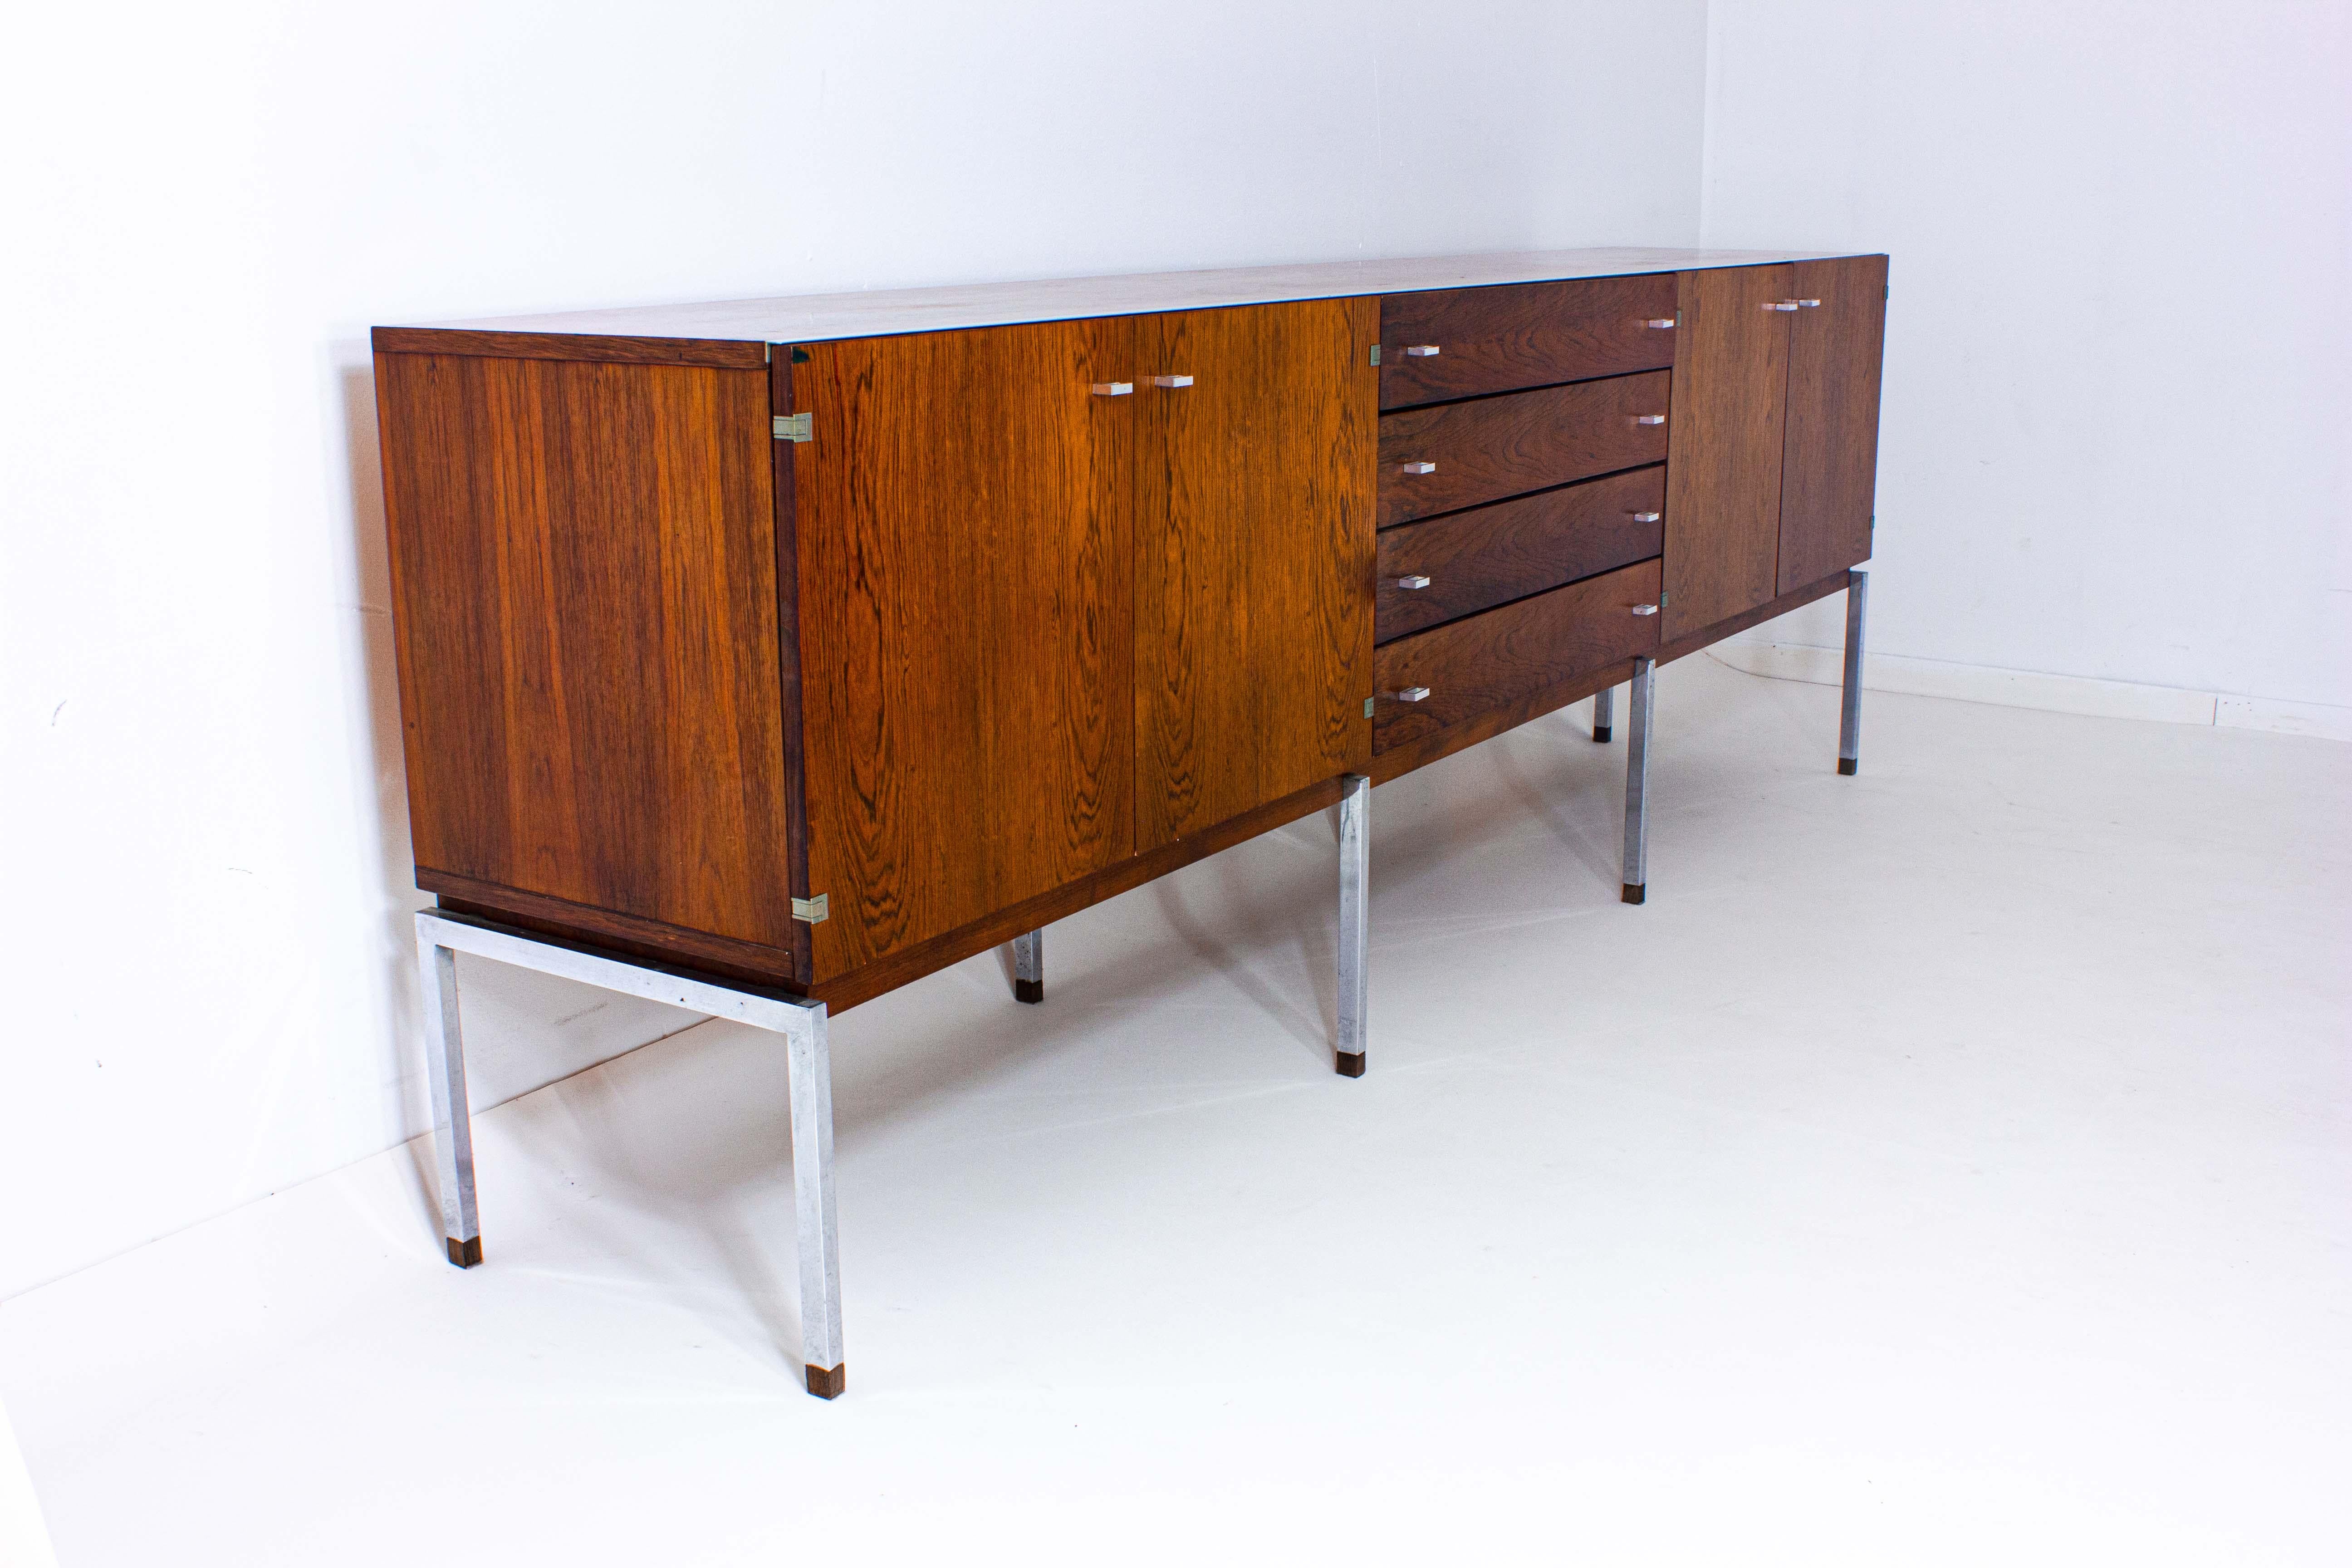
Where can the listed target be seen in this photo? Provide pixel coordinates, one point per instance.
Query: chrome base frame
(1029, 966)
(441, 937)
(1604, 705)
(1637, 781)
(1857, 604)
(1355, 919)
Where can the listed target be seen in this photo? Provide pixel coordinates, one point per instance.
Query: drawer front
(1466, 454)
(1476, 560)
(1471, 667)
(1522, 334)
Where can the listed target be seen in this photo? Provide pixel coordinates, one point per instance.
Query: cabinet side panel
(1723, 445)
(583, 561)
(1255, 547)
(967, 625)
(1830, 465)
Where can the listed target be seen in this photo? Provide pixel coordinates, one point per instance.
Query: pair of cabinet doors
(1045, 625)
(1772, 459)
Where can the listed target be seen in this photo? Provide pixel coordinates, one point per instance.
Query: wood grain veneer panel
(1491, 447)
(965, 540)
(1723, 467)
(1493, 660)
(1829, 470)
(1773, 609)
(1002, 925)
(583, 578)
(1477, 560)
(1253, 553)
(1522, 335)
(788, 658)
(721, 354)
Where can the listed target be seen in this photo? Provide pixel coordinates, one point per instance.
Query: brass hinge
(797, 428)
(812, 910)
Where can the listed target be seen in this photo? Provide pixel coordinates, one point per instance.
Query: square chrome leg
(453, 1128)
(1355, 919)
(440, 937)
(811, 1072)
(1029, 966)
(1857, 601)
(1604, 705)
(1637, 781)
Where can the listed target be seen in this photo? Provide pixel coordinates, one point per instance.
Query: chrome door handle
(1422, 350)
(1410, 694)
(1112, 388)
(1415, 581)
(1645, 609)
(1646, 516)
(1172, 381)
(1665, 323)
(1417, 468)
(1648, 420)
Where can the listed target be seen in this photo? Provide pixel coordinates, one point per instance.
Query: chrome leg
(440, 937)
(1604, 704)
(1029, 966)
(1857, 601)
(820, 1247)
(453, 1128)
(1355, 918)
(1637, 781)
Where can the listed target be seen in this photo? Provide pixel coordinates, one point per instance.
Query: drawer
(1491, 661)
(1521, 335)
(1462, 455)
(1474, 560)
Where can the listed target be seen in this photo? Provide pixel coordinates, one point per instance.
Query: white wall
(207, 857)
(2118, 396)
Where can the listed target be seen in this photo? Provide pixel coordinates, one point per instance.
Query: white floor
(1949, 1164)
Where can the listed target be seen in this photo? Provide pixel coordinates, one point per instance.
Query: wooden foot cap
(827, 1382)
(1848, 766)
(1636, 892)
(1350, 1064)
(1028, 990)
(465, 1254)
(1601, 732)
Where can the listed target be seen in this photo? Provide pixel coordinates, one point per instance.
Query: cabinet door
(965, 540)
(1829, 457)
(1724, 437)
(1253, 557)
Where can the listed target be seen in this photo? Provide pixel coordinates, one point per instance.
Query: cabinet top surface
(816, 317)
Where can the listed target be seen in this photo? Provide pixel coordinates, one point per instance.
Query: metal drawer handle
(1172, 381)
(1648, 420)
(1645, 609)
(1647, 516)
(1112, 388)
(1665, 323)
(1415, 581)
(1780, 305)
(1417, 468)
(1410, 694)
(1808, 304)
(1422, 350)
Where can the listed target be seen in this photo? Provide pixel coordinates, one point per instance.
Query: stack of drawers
(1522, 492)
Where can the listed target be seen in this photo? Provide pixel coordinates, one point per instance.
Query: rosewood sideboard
(765, 655)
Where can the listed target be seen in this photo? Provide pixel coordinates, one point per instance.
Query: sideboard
(765, 655)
